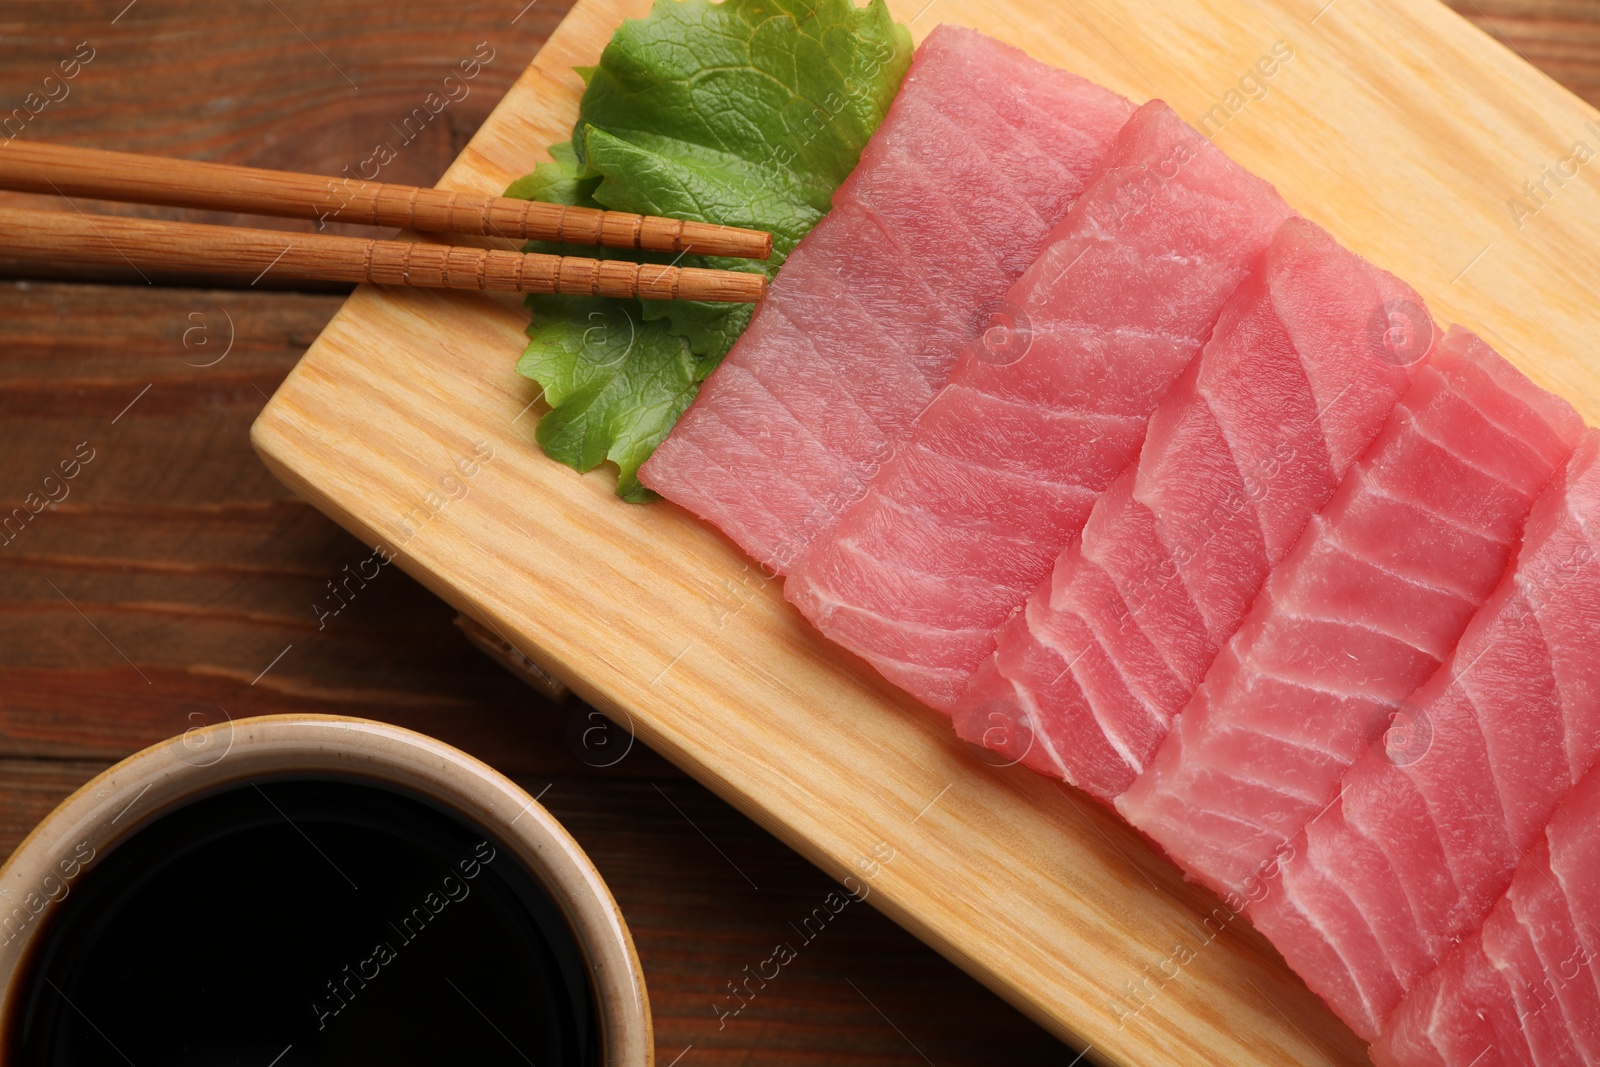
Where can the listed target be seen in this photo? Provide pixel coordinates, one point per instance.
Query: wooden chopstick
(124, 176)
(151, 244)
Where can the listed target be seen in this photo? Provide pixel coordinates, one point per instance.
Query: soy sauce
(304, 921)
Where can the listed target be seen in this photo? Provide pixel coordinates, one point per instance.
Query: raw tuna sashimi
(1038, 417)
(1303, 368)
(1361, 613)
(981, 154)
(1427, 828)
(1526, 988)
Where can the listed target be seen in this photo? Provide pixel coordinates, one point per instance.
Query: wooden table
(151, 597)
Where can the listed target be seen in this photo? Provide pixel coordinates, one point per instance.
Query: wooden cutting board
(1393, 123)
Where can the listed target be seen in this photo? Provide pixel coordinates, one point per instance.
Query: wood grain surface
(182, 553)
(1398, 126)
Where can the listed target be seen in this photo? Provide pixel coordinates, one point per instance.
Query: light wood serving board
(1395, 124)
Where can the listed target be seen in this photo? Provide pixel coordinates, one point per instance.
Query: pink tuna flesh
(982, 152)
(1366, 607)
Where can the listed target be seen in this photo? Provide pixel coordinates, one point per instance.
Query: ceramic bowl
(91, 822)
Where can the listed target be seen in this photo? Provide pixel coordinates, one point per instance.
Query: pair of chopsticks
(76, 237)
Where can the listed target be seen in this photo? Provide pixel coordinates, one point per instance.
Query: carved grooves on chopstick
(70, 171)
(392, 263)
(155, 244)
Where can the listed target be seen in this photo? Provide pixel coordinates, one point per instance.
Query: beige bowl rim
(106, 810)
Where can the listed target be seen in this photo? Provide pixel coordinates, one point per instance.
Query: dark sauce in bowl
(303, 921)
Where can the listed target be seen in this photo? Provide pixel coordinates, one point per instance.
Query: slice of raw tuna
(1526, 988)
(1362, 612)
(1038, 417)
(1429, 824)
(982, 152)
(1305, 364)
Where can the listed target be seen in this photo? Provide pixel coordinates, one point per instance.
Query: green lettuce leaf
(744, 112)
(615, 384)
(564, 180)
